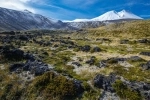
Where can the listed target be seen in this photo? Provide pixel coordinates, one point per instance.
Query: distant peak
(113, 11)
(124, 10)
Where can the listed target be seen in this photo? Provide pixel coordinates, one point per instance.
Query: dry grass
(133, 29)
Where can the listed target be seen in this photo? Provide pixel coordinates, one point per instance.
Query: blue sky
(76, 9)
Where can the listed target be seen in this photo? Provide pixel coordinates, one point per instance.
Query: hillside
(132, 29)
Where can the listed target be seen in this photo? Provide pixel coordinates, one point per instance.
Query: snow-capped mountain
(106, 18)
(110, 16)
(25, 20)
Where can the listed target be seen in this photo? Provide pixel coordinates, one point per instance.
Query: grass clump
(124, 92)
(50, 86)
(90, 93)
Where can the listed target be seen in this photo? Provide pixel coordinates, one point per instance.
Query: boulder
(15, 54)
(79, 87)
(36, 67)
(105, 82)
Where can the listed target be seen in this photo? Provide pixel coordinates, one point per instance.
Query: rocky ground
(83, 68)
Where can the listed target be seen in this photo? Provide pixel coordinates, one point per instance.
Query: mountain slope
(25, 20)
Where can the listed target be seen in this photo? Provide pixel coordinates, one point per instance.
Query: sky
(78, 9)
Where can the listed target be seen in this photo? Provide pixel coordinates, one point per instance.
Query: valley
(111, 62)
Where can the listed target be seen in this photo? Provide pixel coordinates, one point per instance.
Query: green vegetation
(133, 73)
(124, 92)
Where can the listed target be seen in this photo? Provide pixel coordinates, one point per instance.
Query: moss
(124, 92)
(11, 91)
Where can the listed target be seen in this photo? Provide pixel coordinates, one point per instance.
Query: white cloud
(17, 4)
(79, 3)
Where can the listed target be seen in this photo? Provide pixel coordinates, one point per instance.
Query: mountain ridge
(26, 20)
(111, 15)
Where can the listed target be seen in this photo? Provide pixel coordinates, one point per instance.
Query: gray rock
(91, 61)
(76, 63)
(102, 63)
(146, 66)
(109, 96)
(124, 41)
(145, 53)
(96, 49)
(135, 58)
(85, 48)
(105, 82)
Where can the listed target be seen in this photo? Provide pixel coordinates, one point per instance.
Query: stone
(109, 96)
(76, 63)
(102, 63)
(143, 41)
(91, 61)
(14, 67)
(135, 58)
(105, 82)
(115, 60)
(124, 41)
(35, 67)
(15, 54)
(24, 38)
(85, 48)
(145, 53)
(56, 45)
(96, 49)
(140, 87)
(146, 66)
(29, 56)
(79, 87)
